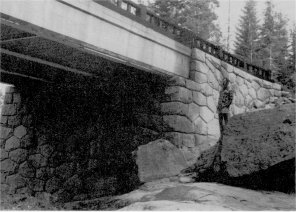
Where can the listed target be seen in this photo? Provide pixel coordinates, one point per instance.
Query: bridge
(68, 68)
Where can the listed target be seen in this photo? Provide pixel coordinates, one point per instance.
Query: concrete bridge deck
(49, 30)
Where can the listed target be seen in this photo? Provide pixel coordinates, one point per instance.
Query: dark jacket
(225, 101)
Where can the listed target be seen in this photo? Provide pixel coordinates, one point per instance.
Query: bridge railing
(140, 14)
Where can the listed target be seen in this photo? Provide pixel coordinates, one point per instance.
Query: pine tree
(292, 53)
(246, 44)
(196, 15)
(289, 77)
(274, 41)
(267, 37)
(281, 43)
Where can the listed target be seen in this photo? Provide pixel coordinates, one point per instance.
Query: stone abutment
(78, 142)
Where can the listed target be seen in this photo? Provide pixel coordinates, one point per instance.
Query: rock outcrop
(255, 145)
(159, 159)
(167, 196)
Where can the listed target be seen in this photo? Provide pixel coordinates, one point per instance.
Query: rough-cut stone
(15, 181)
(198, 77)
(8, 166)
(277, 93)
(214, 128)
(3, 154)
(252, 93)
(53, 184)
(244, 90)
(263, 94)
(213, 82)
(9, 110)
(26, 141)
(239, 81)
(36, 185)
(37, 160)
(26, 170)
(266, 84)
(159, 159)
(259, 104)
(200, 139)
(10, 89)
(65, 170)
(248, 100)
(12, 143)
(27, 120)
(239, 99)
(199, 67)
(216, 95)
(18, 155)
(174, 137)
(199, 98)
(176, 81)
(218, 75)
(193, 112)
(190, 154)
(225, 73)
(237, 110)
(3, 119)
(214, 61)
(20, 131)
(211, 104)
(4, 132)
(206, 114)
(255, 85)
(14, 120)
(74, 183)
(178, 93)
(256, 141)
(198, 55)
(43, 173)
(8, 98)
(174, 108)
(207, 90)
(179, 123)
(45, 150)
(188, 140)
(191, 85)
(201, 126)
(232, 77)
(16, 98)
(276, 86)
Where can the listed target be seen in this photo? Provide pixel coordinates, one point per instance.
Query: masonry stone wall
(16, 139)
(77, 143)
(190, 109)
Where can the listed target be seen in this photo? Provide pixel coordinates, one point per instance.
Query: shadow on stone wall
(84, 137)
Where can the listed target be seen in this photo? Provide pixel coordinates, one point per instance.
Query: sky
(286, 7)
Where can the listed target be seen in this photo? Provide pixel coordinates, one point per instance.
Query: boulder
(254, 149)
(256, 141)
(159, 159)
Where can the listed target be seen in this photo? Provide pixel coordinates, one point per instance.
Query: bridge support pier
(16, 140)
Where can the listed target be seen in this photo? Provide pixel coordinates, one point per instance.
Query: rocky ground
(168, 194)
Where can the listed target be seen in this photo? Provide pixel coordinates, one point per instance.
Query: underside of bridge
(71, 119)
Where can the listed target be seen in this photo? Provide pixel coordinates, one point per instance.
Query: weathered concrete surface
(122, 39)
(159, 159)
(166, 195)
